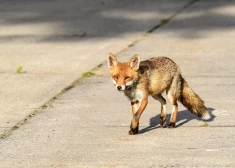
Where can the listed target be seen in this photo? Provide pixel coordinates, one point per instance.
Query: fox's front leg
(135, 106)
(137, 109)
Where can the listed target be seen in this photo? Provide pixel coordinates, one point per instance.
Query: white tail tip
(206, 116)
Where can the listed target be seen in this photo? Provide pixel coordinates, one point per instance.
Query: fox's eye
(127, 77)
(115, 76)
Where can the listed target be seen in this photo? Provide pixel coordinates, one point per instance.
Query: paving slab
(88, 126)
(56, 41)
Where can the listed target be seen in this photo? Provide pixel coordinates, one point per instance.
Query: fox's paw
(163, 121)
(134, 131)
(171, 125)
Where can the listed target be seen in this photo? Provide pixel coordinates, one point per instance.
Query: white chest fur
(139, 95)
(135, 94)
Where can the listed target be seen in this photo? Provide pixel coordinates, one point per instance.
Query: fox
(141, 79)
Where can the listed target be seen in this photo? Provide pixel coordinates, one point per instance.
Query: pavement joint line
(167, 20)
(44, 106)
(77, 81)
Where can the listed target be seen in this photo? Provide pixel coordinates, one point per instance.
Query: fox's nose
(119, 87)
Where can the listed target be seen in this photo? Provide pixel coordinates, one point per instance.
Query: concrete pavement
(88, 126)
(56, 41)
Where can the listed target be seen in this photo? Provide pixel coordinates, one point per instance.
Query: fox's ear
(134, 62)
(112, 60)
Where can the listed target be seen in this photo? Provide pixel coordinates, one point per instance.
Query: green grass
(87, 74)
(205, 124)
(164, 21)
(79, 35)
(19, 70)
(83, 34)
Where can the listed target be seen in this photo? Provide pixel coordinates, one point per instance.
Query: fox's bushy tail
(192, 101)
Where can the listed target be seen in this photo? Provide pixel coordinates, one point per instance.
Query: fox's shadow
(184, 115)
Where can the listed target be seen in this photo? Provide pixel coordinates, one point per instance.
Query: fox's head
(123, 74)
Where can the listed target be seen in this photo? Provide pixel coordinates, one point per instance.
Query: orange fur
(138, 80)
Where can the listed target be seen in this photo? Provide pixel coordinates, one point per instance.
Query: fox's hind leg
(163, 109)
(172, 97)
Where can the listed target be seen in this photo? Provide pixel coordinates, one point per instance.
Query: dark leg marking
(134, 102)
(171, 125)
(162, 121)
(134, 131)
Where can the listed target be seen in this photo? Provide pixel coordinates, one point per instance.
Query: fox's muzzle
(120, 88)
